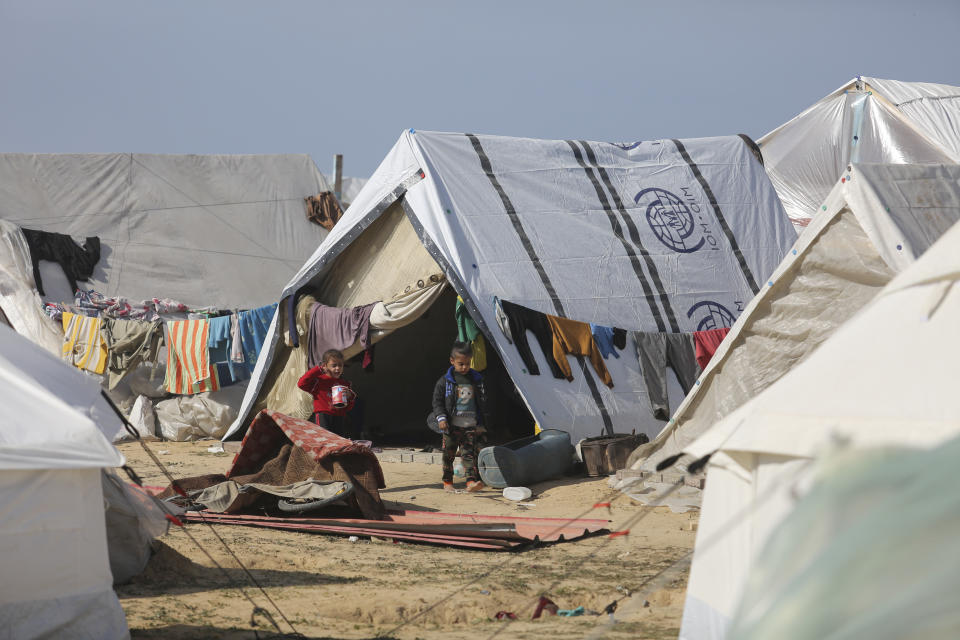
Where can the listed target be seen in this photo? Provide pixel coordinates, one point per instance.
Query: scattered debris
(545, 604)
(517, 493)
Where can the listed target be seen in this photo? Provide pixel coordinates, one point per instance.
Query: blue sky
(321, 78)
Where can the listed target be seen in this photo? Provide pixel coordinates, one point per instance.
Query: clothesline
(203, 354)
(94, 303)
(686, 353)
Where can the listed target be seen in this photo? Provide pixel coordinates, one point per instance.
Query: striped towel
(188, 363)
(82, 345)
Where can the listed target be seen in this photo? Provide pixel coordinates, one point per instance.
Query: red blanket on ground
(271, 429)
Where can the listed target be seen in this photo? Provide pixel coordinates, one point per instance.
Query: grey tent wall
(455, 281)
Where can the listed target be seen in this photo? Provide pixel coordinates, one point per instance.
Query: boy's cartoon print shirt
(465, 412)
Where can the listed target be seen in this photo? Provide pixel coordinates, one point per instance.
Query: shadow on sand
(171, 573)
(209, 632)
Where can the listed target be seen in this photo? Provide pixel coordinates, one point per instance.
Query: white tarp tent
(865, 120)
(53, 543)
(219, 230)
(662, 235)
(887, 377)
(843, 549)
(877, 220)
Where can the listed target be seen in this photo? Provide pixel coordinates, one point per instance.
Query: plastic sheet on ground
(655, 494)
(495, 533)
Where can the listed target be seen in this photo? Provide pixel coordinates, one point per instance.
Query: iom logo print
(671, 220)
(711, 315)
(627, 146)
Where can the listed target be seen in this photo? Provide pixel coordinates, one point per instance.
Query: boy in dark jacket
(459, 403)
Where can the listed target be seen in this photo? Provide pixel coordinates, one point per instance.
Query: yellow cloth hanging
(82, 345)
(479, 360)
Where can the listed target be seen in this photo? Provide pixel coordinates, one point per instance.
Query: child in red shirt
(320, 382)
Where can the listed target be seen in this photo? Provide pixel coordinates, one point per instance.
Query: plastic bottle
(458, 468)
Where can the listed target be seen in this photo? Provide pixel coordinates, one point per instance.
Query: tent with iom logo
(659, 236)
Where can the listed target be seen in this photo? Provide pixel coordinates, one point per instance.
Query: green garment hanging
(467, 331)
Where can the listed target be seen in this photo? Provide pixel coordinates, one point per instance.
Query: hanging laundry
(324, 209)
(129, 343)
(236, 342)
(609, 339)
(220, 344)
(188, 362)
(54, 310)
(253, 325)
(706, 343)
(658, 350)
(77, 262)
(478, 362)
(336, 328)
(83, 347)
(620, 338)
(502, 320)
(468, 331)
(575, 338)
(95, 303)
(521, 320)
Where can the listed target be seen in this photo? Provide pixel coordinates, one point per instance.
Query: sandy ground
(329, 587)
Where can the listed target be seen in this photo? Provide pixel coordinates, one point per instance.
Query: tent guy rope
(257, 609)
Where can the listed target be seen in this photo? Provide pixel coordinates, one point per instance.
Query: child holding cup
(332, 395)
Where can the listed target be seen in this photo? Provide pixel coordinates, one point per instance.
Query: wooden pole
(338, 175)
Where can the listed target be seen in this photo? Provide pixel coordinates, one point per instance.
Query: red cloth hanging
(706, 343)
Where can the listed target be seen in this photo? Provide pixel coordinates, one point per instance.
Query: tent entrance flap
(395, 397)
(387, 262)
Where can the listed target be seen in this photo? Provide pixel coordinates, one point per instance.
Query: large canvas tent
(53, 542)
(867, 120)
(877, 220)
(662, 235)
(207, 230)
(842, 549)
(886, 378)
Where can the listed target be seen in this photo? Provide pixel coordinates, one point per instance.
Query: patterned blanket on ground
(280, 450)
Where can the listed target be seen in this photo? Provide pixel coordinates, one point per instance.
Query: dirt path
(329, 587)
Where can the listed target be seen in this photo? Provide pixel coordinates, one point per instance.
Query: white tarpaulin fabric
(885, 378)
(878, 526)
(54, 416)
(53, 544)
(866, 120)
(221, 230)
(665, 235)
(53, 556)
(874, 224)
(19, 299)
